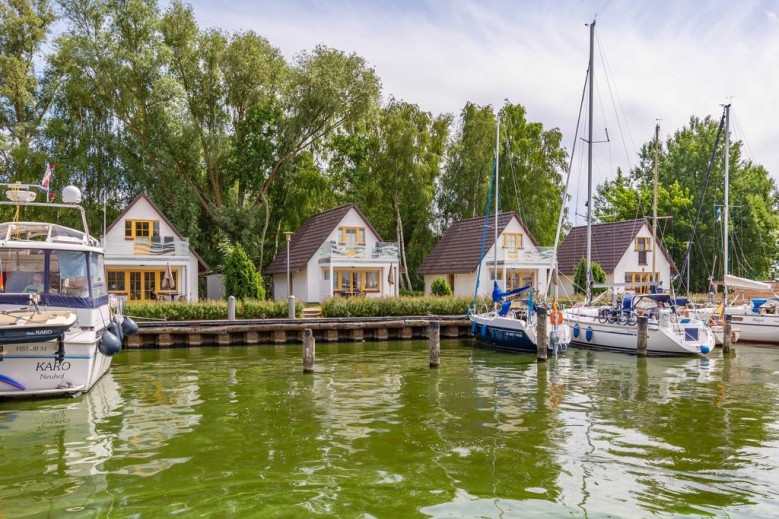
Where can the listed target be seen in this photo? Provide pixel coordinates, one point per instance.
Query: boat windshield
(38, 231)
(60, 277)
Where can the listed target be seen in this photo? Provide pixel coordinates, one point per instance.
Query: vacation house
(456, 257)
(147, 258)
(624, 250)
(335, 253)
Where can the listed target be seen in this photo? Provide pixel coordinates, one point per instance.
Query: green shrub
(439, 287)
(394, 306)
(208, 310)
(241, 278)
(580, 278)
(404, 292)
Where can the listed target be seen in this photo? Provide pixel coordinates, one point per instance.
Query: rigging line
(703, 192)
(567, 183)
(484, 235)
(607, 73)
(740, 131)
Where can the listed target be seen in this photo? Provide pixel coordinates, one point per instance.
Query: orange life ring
(556, 317)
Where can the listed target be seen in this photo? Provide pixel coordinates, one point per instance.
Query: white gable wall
(308, 285)
(465, 284)
(120, 253)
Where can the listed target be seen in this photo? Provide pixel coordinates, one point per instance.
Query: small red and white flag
(47, 176)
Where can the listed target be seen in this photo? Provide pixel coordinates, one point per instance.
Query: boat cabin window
(57, 275)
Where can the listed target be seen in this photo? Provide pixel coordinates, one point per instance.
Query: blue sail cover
(499, 295)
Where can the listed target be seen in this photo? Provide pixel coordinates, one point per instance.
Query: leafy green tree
(404, 160)
(530, 173)
(241, 278)
(683, 162)
(25, 95)
(580, 277)
(439, 287)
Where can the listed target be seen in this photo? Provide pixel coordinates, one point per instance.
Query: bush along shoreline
(333, 307)
(209, 310)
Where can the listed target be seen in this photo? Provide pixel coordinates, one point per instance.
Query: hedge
(201, 311)
(394, 306)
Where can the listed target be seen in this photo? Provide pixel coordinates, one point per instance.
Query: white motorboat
(58, 329)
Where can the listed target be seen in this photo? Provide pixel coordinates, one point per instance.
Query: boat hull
(35, 369)
(589, 332)
(756, 327)
(512, 335)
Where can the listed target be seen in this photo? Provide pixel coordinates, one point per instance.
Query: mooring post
(726, 329)
(434, 335)
(542, 337)
(291, 307)
(231, 308)
(643, 331)
(309, 347)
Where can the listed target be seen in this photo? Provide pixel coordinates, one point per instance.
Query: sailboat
(614, 327)
(511, 324)
(758, 320)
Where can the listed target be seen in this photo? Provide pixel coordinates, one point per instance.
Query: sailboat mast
(497, 192)
(654, 210)
(726, 209)
(589, 167)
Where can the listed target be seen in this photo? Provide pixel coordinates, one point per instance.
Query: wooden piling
(434, 335)
(641, 339)
(726, 330)
(542, 336)
(309, 347)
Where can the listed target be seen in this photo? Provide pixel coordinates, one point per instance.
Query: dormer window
(512, 241)
(642, 246)
(141, 229)
(351, 237)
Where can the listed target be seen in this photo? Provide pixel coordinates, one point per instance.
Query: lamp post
(290, 297)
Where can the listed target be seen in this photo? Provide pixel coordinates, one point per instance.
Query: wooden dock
(170, 334)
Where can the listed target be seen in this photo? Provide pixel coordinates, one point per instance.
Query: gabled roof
(459, 250)
(311, 235)
(202, 265)
(610, 241)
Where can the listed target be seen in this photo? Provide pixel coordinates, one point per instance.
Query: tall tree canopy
(682, 166)
(532, 161)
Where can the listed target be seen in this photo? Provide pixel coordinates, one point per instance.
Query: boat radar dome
(71, 195)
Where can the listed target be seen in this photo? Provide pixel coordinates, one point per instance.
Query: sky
(657, 62)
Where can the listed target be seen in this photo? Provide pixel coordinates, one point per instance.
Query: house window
(141, 229)
(450, 280)
(352, 236)
(639, 277)
(520, 278)
(492, 275)
(642, 246)
(143, 285)
(512, 241)
(352, 282)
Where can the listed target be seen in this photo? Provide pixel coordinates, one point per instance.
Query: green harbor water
(241, 432)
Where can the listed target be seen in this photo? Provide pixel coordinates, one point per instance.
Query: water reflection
(375, 432)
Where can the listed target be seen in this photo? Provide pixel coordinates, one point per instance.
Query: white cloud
(666, 60)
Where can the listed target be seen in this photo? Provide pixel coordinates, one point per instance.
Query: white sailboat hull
(671, 339)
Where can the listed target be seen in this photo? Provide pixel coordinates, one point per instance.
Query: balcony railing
(155, 246)
(540, 256)
(382, 251)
